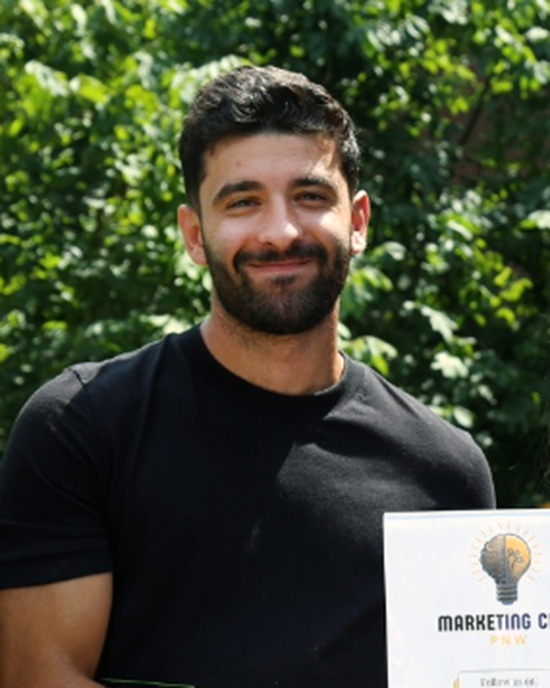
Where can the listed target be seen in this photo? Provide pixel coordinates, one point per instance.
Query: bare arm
(51, 636)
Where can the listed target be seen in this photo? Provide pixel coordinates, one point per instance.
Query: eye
(313, 198)
(237, 203)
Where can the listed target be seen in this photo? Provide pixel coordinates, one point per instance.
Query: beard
(281, 307)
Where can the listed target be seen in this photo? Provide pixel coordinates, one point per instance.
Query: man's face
(277, 230)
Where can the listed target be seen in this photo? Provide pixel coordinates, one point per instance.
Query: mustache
(271, 255)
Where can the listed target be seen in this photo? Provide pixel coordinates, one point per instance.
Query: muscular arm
(51, 636)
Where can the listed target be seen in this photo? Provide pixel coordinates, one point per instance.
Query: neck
(289, 364)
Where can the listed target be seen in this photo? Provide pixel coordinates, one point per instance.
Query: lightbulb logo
(506, 558)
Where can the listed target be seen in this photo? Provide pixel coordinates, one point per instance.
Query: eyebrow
(323, 182)
(235, 187)
(249, 185)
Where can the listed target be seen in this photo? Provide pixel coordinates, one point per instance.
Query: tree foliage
(451, 301)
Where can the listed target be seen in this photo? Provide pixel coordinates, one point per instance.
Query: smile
(289, 268)
(281, 264)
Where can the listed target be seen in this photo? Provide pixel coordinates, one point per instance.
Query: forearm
(42, 670)
(51, 636)
(46, 677)
(68, 682)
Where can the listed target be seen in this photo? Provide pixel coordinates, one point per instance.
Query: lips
(295, 257)
(277, 266)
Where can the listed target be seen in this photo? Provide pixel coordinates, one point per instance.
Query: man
(208, 510)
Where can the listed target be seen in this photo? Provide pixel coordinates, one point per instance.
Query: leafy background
(452, 97)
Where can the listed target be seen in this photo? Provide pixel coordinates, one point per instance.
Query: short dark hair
(252, 100)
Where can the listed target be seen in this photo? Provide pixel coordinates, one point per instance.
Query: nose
(279, 227)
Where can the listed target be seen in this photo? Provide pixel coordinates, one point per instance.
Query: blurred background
(451, 301)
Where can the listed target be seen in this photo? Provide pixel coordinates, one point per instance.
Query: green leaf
(49, 80)
(440, 322)
(89, 88)
(35, 10)
(450, 366)
(539, 218)
(463, 416)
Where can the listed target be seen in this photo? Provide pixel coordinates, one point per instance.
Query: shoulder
(379, 394)
(131, 373)
(129, 366)
(417, 438)
(72, 384)
(86, 391)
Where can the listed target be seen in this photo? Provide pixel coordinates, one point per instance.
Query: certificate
(468, 599)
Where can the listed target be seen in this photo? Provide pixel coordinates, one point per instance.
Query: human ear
(360, 215)
(190, 227)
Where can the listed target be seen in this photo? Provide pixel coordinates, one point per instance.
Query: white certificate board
(468, 599)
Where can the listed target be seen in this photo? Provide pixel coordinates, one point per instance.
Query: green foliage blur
(452, 299)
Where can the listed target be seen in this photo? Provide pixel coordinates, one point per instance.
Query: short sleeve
(54, 490)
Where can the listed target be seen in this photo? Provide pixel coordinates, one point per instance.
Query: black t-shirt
(243, 527)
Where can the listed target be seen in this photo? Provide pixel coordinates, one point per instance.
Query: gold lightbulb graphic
(506, 558)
